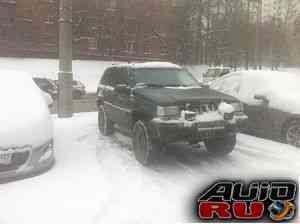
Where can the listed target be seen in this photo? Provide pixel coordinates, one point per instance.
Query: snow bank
(87, 71)
(24, 115)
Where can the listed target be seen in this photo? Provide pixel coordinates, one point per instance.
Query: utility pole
(258, 35)
(248, 34)
(199, 43)
(65, 100)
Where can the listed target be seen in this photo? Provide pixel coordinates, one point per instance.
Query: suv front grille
(202, 108)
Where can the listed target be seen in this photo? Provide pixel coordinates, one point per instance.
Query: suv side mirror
(261, 98)
(122, 89)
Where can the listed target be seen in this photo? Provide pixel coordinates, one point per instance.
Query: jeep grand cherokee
(159, 103)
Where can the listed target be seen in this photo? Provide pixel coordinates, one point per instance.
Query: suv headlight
(169, 111)
(238, 106)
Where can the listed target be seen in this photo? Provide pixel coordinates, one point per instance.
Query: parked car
(78, 89)
(159, 103)
(26, 138)
(215, 72)
(271, 101)
(48, 86)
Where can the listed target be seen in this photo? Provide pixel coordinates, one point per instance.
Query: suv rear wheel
(106, 127)
(221, 146)
(144, 147)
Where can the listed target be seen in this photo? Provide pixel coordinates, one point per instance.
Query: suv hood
(179, 95)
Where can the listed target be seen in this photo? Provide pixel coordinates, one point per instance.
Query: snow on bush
(24, 114)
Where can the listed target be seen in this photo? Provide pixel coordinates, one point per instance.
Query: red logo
(230, 200)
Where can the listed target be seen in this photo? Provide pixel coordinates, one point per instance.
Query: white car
(271, 101)
(26, 131)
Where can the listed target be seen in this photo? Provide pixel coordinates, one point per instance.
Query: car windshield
(164, 77)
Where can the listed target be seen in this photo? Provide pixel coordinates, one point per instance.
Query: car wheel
(144, 147)
(105, 126)
(292, 134)
(221, 146)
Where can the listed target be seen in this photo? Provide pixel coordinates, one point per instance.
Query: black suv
(160, 103)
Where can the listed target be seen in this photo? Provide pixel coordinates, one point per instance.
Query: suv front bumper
(177, 130)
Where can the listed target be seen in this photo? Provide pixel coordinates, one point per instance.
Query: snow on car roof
(150, 65)
(270, 77)
(24, 114)
(156, 65)
(11, 74)
(280, 88)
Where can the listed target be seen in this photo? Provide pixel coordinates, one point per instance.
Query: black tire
(144, 147)
(291, 133)
(221, 146)
(106, 127)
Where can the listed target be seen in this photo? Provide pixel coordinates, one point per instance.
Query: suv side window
(120, 76)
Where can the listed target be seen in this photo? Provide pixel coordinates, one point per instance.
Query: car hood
(178, 95)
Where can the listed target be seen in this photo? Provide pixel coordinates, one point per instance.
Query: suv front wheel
(221, 146)
(105, 126)
(144, 147)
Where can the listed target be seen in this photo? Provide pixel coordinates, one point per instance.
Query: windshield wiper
(176, 85)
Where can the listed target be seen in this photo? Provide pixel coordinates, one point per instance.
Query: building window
(147, 48)
(131, 47)
(111, 5)
(92, 43)
(178, 3)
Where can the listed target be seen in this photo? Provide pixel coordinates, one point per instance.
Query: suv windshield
(164, 77)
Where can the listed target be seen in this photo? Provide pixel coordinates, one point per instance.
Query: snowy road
(97, 180)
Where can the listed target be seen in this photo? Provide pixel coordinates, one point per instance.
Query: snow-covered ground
(87, 71)
(97, 180)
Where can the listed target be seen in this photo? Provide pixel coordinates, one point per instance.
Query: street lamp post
(65, 100)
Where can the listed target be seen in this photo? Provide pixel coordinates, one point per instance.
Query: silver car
(26, 130)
